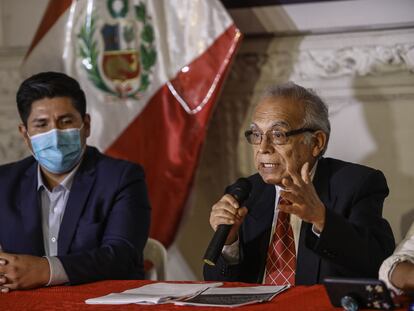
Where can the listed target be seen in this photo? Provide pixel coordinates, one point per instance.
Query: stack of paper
(206, 294)
(154, 293)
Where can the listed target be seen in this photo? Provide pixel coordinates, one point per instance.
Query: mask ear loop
(30, 149)
(27, 132)
(84, 146)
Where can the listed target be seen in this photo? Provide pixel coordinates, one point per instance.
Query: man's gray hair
(316, 111)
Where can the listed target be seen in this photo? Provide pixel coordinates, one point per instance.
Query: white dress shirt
(53, 204)
(403, 252)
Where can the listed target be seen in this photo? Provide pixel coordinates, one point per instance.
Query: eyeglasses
(255, 137)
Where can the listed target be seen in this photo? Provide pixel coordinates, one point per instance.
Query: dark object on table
(354, 294)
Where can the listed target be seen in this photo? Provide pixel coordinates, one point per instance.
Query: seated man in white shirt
(68, 214)
(397, 271)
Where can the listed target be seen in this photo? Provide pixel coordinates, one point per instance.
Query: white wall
(19, 20)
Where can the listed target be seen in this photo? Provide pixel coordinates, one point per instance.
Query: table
(312, 298)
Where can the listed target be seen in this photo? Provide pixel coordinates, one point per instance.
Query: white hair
(316, 111)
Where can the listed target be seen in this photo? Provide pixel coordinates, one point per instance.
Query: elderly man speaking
(307, 217)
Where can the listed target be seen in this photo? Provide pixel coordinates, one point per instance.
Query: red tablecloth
(72, 298)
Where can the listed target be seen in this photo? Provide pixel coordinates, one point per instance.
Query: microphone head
(240, 190)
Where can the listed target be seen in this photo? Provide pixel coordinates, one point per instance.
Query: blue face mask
(58, 151)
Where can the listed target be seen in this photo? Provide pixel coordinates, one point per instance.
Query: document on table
(233, 296)
(206, 294)
(153, 293)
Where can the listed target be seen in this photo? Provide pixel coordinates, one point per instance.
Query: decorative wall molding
(328, 63)
(355, 61)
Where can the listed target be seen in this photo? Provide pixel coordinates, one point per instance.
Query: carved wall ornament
(355, 61)
(309, 64)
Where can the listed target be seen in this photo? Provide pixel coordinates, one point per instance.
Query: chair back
(155, 256)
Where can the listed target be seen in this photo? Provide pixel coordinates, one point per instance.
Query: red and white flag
(152, 71)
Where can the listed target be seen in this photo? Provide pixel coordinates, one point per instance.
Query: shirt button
(53, 239)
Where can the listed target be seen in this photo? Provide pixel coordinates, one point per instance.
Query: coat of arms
(117, 48)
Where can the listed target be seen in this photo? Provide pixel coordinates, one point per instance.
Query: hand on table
(22, 272)
(300, 198)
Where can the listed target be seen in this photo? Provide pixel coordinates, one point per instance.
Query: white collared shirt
(53, 205)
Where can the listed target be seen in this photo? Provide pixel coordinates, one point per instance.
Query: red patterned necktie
(281, 256)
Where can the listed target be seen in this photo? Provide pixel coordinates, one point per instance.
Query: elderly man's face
(272, 160)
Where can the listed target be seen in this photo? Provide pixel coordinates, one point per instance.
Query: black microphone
(240, 190)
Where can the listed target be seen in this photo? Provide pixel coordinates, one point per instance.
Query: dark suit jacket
(354, 242)
(105, 225)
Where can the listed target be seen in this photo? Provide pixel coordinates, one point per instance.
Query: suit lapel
(321, 181)
(29, 206)
(263, 208)
(308, 262)
(82, 185)
(261, 218)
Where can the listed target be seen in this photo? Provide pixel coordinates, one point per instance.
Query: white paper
(153, 293)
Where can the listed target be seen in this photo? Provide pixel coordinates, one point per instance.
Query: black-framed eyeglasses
(277, 137)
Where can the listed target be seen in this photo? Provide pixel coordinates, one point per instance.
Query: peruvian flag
(152, 71)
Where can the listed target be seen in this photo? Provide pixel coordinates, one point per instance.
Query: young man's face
(54, 113)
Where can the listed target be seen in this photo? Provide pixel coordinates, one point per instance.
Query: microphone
(240, 190)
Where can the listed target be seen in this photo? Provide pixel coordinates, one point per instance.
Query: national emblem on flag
(116, 48)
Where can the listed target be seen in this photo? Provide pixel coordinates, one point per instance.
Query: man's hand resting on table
(22, 272)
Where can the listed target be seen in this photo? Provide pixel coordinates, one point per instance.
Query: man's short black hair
(49, 85)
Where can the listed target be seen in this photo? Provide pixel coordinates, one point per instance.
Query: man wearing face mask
(68, 214)
(307, 217)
